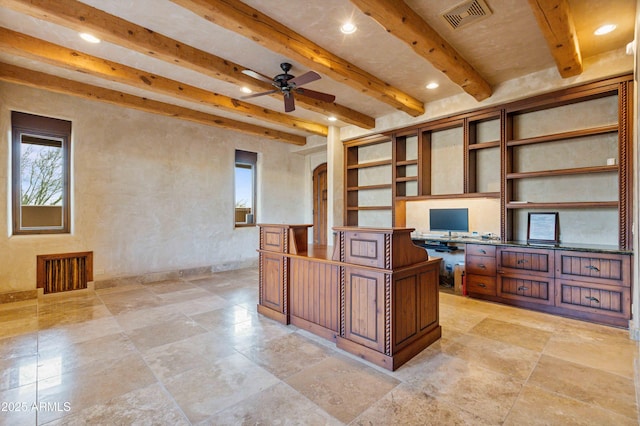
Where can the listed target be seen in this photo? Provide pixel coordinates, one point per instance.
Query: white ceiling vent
(465, 13)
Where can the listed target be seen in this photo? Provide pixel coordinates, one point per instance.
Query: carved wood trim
(387, 251)
(625, 172)
(387, 314)
(261, 269)
(343, 307)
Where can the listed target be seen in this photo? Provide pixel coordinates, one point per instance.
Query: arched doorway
(320, 204)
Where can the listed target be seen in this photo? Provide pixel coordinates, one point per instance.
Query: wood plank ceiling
(185, 58)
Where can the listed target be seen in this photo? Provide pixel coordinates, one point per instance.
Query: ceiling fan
(288, 85)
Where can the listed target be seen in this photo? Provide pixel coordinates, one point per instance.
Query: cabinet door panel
(594, 298)
(365, 307)
(531, 261)
(406, 294)
(273, 239)
(272, 282)
(526, 288)
(429, 295)
(609, 269)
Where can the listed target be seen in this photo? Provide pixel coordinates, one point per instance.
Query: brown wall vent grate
(64, 272)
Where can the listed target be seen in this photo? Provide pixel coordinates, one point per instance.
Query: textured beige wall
(484, 213)
(447, 161)
(150, 193)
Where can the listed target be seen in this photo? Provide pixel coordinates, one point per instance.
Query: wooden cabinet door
(364, 307)
(272, 275)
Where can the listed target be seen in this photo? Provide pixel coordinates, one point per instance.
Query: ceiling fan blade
(257, 76)
(289, 103)
(255, 95)
(305, 78)
(324, 97)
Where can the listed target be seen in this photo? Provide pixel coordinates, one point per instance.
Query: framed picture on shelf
(543, 228)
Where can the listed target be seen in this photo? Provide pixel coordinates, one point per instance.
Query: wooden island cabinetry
(374, 293)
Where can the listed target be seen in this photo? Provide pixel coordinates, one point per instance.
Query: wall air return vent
(465, 13)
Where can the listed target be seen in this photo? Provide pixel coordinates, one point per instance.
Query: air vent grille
(466, 13)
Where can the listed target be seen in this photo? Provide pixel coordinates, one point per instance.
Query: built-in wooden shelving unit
(520, 153)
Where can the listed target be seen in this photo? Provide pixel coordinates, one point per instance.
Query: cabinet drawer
(481, 284)
(614, 301)
(530, 261)
(480, 250)
(526, 288)
(480, 265)
(602, 268)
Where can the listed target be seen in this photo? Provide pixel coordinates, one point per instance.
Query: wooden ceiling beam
(400, 20)
(556, 23)
(26, 46)
(36, 79)
(260, 28)
(84, 18)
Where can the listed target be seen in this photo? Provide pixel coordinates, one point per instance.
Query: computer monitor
(449, 220)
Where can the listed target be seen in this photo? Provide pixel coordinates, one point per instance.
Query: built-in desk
(374, 292)
(585, 281)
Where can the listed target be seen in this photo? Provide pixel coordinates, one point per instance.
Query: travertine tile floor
(196, 352)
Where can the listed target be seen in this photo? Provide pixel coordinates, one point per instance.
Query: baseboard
(187, 273)
(17, 296)
(634, 331)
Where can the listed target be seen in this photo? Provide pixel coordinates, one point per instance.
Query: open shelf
(368, 187)
(561, 205)
(369, 164)
(484, 145)
(564, 135)
(358, 208)
(560, 172)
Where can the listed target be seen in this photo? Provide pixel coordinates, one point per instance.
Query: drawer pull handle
(593, 268)
(483, 251)
(523, 288)
(481, 266)
(593, 299)
(482, 285)
(521, 261)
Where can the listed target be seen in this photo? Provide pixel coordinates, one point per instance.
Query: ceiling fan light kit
(287, 84)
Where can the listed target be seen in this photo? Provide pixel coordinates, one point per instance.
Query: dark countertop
(595, 248)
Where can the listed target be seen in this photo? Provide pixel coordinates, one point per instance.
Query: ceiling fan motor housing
(281, 80)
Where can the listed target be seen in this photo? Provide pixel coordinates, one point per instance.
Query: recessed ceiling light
(605, 29)
(246, 90)
(332, 119)
(432, 85)
(348, 28)
(90, 38)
